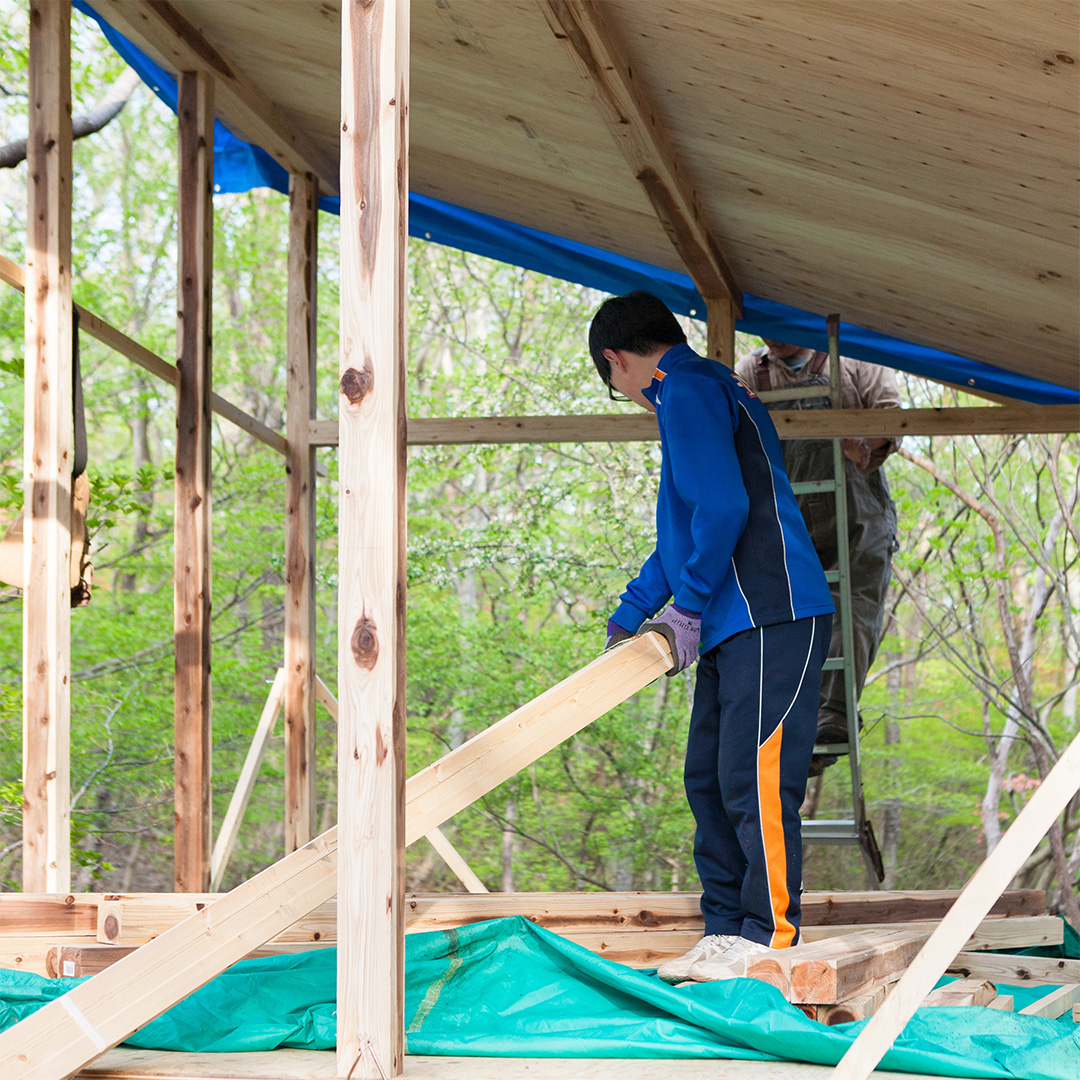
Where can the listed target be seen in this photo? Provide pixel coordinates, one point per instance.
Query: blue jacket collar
(676, 355)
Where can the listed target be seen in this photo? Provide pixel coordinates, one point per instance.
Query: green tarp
(508, 988)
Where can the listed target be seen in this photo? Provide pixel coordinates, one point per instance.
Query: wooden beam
(720, 328)
(159, 30)
(453, 859)
(854, 1008)
(46, 845)
(1032, 970)
(371, 533)
(988, 882)
(192, 492)
(792, 424)
(504, 749)
(840, 968)
(70, 961)
(300, 513)
(245, 783)
(963, 992)
(638, 129)
(117, 340)
(1057, 1003)
(55, 1042)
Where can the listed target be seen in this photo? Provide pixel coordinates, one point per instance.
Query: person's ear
(612, 357)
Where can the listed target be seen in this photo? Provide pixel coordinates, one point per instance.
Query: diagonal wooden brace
(70, 1032)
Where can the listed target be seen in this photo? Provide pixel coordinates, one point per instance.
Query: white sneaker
(731, 963)
(678, 970)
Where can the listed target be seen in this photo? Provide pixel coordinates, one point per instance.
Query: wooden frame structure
(362, 861)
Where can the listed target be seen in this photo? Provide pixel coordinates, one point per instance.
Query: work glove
(683, 632)
(615, 634)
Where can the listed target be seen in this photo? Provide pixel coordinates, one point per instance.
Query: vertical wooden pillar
(371, 537)
(721, 330)
(48, 450)
(300, 516)
(191, 627)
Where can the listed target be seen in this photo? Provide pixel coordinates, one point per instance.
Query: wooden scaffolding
(361, 861)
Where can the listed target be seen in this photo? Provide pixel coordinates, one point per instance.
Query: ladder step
(813, 487)
(830, 832)
(832, 575)
(834, 663)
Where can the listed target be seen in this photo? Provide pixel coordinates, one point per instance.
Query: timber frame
(362, 860)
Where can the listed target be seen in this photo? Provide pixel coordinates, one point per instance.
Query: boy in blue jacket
(750, 598)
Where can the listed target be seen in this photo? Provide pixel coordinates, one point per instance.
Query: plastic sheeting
(508, 988)
(241, 166)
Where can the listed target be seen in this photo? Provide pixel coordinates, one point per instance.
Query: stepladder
(819, 481)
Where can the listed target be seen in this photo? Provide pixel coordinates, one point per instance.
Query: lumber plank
(47, 456)
(792, 424)
(988, 882)
(1032, 970)
(858, 1007)
(127, 922)
(50, 914)
(245, 783)
(30, 953)
(74, 961)
(136, 918)
(1055, 1004)
(193, 487)
(833, 970)
(962, 992)
(455, 861)
(659, 911)
(502, 750)
(127, 1063)
(1002, 1002)
(1018, 933)
(301, 380)
(371, 530)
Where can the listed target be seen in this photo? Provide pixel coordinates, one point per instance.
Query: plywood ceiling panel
(912, 164)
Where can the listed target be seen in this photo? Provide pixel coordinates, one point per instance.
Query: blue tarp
(241, 166)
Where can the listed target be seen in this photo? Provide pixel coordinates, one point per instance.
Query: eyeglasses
(611, 393)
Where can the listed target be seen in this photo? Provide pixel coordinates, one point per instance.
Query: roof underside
(911, 165)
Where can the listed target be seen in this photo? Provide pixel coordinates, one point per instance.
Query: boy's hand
(615, 634)
(683, 632)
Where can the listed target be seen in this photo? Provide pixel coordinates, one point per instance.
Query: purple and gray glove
(683, 632)
(616, 634)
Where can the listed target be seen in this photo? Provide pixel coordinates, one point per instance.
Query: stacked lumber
(84, 934)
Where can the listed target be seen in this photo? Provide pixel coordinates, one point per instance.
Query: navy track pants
(752, 733)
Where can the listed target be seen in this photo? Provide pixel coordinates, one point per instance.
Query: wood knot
(365, 642)
(112, 927)
(355, 385)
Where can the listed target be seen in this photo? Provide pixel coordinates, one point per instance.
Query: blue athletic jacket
(730, 539)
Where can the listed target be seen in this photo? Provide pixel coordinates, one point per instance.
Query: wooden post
(300, 515)
(371, 537)
(48, 449)
(721, 330)
(191, 619)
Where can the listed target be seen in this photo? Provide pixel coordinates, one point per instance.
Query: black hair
(637, 322)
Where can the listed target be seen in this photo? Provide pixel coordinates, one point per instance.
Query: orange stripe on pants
(772, 836)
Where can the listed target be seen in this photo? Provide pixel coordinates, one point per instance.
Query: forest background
(515, 557)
